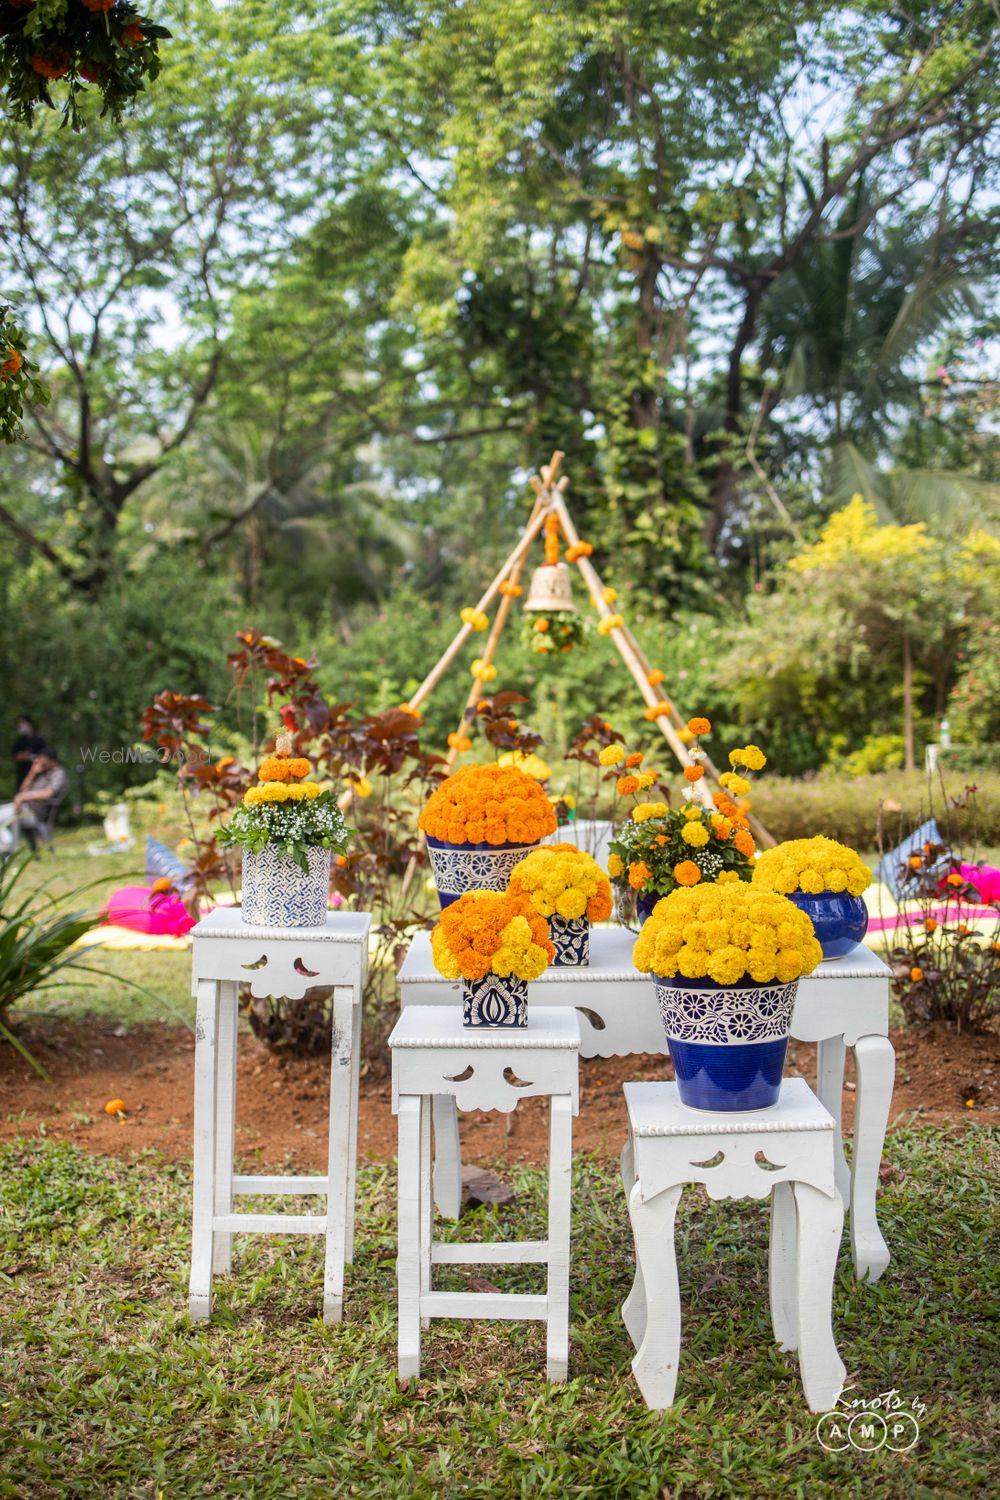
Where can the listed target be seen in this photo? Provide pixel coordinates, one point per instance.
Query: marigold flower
(362, 787)
(577, 550)
(459, 741)
(693, 773)
(626, 785)
(725, 931)
(725, 876)
(812, 865)
(98, 4)
(750, 756)
(611, 755)
(56, 66)
(131, 36)
(542, 626)
(743, 841)
(615, 866)
(634, 759)
(916, 974)
(645, 780)
(609, 595)
(496, 932)
(657, 710)
(563, 880)
(915, 861)
(930, 924)
(511, 590)
(161, 886)
(638, 874)
(114, 1107)
(609, 623)
(687, 873)
(695, 834)
(474, 617)
(488, 804)
(483, 671)
(699, 726)
(655, 677)
(11, 365)
(685, 736)
(955, 879)
(647, 810)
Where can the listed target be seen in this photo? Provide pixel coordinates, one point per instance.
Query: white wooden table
(276, 961)
(843, 1003)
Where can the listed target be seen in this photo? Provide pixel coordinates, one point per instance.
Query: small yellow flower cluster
(727, 932)
(813, 866)
(750, 756)
(616, 866)
(611, 755)
(738, 786)
(562, 880)
(695, 834)
(657, 710)
(281, 791)
(483, 671)
(609, 595)
(647, 810)
(608, 623)
(474, 617)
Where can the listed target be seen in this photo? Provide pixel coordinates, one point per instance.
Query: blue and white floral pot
(473, 867)
(727, 1042)
(495, 1001)
(839, 920)
(570, 936)
(279, 893)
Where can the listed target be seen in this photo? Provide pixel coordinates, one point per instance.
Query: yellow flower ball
(615, 866)
(695, 834)
(611, 755)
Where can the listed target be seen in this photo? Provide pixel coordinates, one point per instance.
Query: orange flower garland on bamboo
(488, 805)
(497, 932)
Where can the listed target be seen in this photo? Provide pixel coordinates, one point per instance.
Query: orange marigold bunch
(283, 768)
(497, 932)
(488, 805)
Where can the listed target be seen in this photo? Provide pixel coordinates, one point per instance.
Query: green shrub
(961, 760)
(880, 752)
(848, 810)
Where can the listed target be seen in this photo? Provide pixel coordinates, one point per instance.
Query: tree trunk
(910, 762)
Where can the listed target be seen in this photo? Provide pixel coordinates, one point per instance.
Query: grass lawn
(108, 1391)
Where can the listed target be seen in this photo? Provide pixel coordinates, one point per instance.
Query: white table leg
(426, 1203)
(338, 1171)
(875, 1066)
(560, 1210)
(352, 1152)
(447, 1157)
(634, 1306)
(655, 1364)
(225, 1119)
(410, 1124)
(820, 1226)
(830, 1088)
(782, 1267)
(206, 1043)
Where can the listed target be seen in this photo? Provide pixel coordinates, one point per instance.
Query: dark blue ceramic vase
(727, 1042)
(839, 920)
(473, 867)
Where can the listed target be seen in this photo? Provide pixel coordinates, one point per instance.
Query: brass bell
(550, 589)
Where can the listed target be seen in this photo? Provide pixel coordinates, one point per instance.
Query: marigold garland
(727, 933)
(563, 880)
(497, 932)
(474, 617)
(608, 623)
(813, 866)
(488, 804)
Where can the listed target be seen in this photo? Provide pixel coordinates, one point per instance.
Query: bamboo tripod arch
(550, 499)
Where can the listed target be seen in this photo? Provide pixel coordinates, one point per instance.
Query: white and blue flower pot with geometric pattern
(497, 1000)
(279, 893)
(727, 1042)
(570, 936)
(473, 867)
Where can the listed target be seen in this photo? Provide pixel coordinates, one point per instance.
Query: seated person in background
(41, 792)
(27, 744)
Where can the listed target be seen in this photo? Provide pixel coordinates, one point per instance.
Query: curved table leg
(875, 1063)
(782, 1273)
(447, 1157)
(655, 1364)
(820, 1226)
(830, 1088)
(634, 1306)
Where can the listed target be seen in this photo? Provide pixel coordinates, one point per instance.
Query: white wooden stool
(281, 961)
(434, 1055)
(670, 1145)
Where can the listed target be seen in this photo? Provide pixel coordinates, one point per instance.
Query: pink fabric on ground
(143, 910)
(952, 913)
(986, 879)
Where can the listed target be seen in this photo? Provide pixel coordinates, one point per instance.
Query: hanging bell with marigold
(550, 590)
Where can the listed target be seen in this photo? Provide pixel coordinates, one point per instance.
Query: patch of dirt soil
(282, 1102)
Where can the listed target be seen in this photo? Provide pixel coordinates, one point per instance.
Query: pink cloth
(143, 910)
(986, 879)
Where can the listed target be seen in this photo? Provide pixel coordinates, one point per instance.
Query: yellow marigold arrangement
(813, 866)
(728, 933)
(564, 881)
(287, 812)
(474, 617)
(488, 805)
(491, 932)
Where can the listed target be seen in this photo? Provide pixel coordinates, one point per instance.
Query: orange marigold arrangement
(484, 804)
(491, 932)
(564, 881)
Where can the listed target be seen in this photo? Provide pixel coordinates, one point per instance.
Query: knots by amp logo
(867, 1424)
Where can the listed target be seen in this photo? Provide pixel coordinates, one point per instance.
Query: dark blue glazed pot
(727, 1042)
(839, 921)
(473, 867)
(644, 905)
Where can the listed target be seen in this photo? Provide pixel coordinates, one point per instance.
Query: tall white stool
(434, 1055)
(670, 1145)
(281, 961)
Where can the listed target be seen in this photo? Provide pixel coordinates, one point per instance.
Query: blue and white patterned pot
(473, 867)
(495, 1001)
(279, 893)
(839, 920)
(727, 1042)
(571, 939)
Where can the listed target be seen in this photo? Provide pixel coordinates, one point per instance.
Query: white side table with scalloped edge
(282, 961)
(785, 1152)
(489, 1068)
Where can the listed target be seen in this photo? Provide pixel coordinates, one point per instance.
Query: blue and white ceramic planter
(495, 1001)
(571, 939)
(727, 1042)
(839, 920)
(279, 893)
(473, 867)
